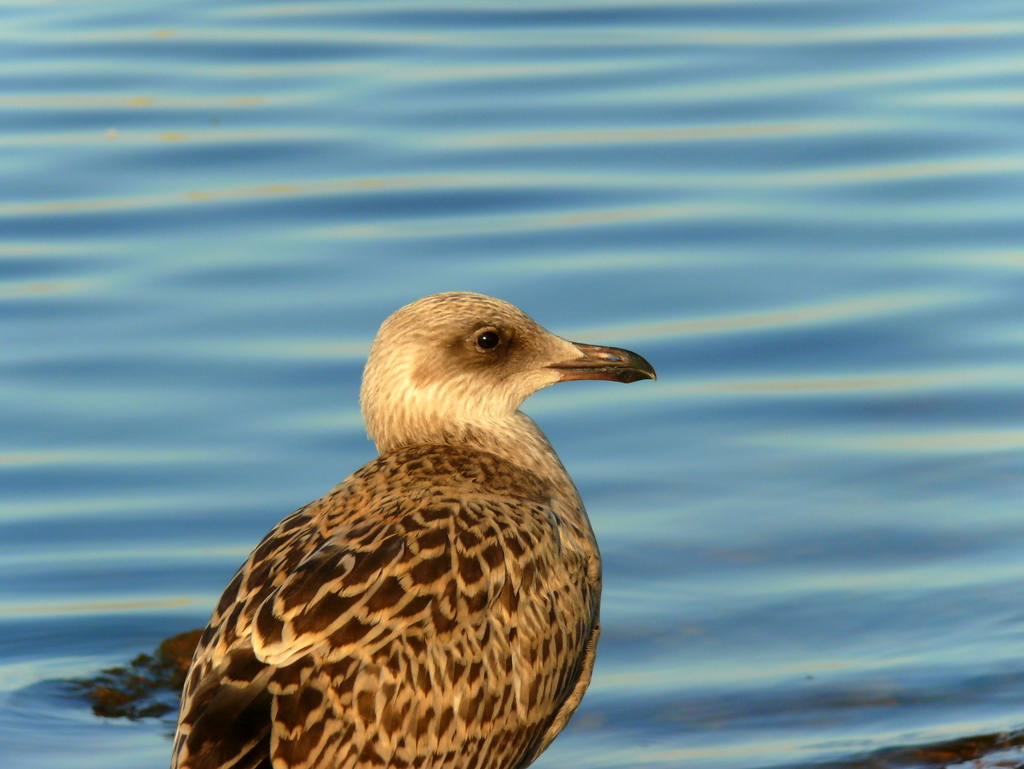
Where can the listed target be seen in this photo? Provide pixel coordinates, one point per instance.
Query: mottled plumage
(439, 608)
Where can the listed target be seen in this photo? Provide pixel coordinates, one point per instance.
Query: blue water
(808, 214)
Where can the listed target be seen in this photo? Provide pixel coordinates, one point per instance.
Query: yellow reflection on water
(899, 171)
(474, 224)
(98, 607)
(462, 182)
(831, 384)
(797, 316)
(940, 442)
(105, 456)
(68, 139)
(975, 97)
(930, 442)
(35, 288)
(101, 102)
(659, 135)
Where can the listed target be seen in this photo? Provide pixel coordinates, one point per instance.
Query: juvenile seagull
(439, 608)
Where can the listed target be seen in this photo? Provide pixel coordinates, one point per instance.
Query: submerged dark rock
(148, 687)
(1000, 750)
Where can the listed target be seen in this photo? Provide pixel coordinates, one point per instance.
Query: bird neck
(515, 438)
(521, 442)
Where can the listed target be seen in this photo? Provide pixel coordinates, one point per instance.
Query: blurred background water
(806, 213)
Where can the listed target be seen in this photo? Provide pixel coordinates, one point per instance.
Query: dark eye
(487, 340)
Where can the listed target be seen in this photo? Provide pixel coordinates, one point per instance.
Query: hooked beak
(611, 363)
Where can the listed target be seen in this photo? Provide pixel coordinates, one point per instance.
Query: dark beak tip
(644, 373)
(611, 363)
(640, 368)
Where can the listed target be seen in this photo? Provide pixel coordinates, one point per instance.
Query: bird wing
(378, 628)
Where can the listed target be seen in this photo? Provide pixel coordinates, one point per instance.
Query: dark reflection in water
(806, 214)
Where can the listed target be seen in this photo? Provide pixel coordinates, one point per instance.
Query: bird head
(456, 360)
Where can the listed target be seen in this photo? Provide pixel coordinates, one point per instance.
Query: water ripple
(806, 214)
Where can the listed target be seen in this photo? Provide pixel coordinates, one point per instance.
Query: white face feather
(428, 381)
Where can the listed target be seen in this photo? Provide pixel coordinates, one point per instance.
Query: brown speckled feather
(438, 609)
(401, 622)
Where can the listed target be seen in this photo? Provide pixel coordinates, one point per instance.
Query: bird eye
(487, 340)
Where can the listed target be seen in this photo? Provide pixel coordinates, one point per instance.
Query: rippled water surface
(809, 215)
